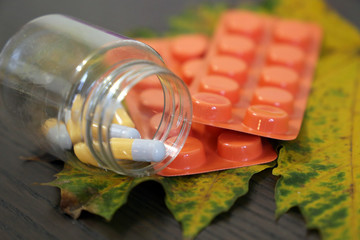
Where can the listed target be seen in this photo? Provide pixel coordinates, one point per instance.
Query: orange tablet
(182, 54)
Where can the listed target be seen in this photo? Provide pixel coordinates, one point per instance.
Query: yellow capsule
(74, 131)
(49, 123)
(121, 117)
(83, 153)
(94, 130)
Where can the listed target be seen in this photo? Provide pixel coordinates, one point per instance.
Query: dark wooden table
(31, 211)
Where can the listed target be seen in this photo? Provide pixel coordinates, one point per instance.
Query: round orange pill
(238, 146)
(275, 97)
(220, 85)
(211, 107)
(244, 23)
(230, 67)
(190, 68)
(279, 76)
(191, 156)
(189, 46)
(292, 32)
(266, 119)
(286, 55)
(152, 100)
(238, 46)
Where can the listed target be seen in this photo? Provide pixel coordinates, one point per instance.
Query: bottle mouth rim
(114, 88)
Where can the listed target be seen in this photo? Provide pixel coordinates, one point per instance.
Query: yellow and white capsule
(56, 133)
(142, 150)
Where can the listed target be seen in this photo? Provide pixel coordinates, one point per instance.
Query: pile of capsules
(125, 139)
(249, 82)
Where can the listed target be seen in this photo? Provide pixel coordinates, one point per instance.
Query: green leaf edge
(327, 49)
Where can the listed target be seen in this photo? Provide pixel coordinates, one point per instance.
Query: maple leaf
(196, 200)
(320, 170)
(93, 189)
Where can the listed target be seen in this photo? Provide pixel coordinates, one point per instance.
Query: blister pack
(257, 75)
(250, 81)
(207, 148)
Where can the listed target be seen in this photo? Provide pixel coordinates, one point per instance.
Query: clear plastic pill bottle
(70, 86)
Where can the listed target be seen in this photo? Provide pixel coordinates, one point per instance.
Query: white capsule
(148, 150)
(120, 131)
(142, 150)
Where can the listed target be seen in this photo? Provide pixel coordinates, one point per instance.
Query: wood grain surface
(29, 210)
